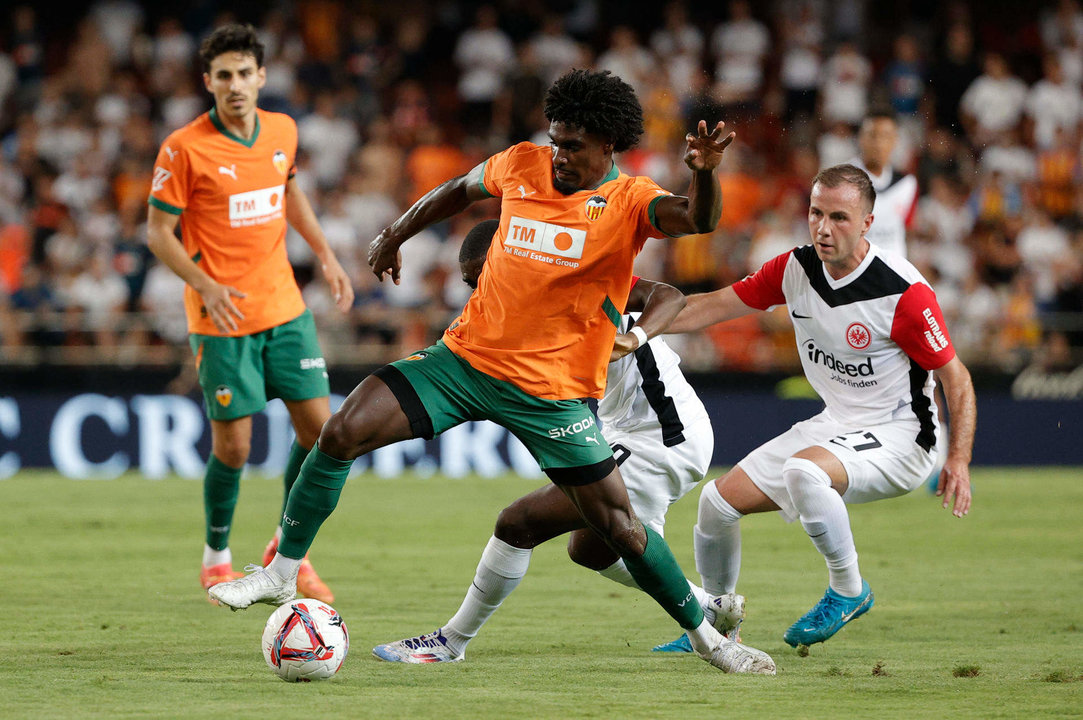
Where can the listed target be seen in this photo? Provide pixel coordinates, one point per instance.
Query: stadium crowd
(392, 100)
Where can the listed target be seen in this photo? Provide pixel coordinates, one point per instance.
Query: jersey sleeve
(646, 195)
(169, 188)
(919, 328)
(763, 288)
(496, 169)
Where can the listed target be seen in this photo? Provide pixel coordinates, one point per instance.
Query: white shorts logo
(256, 207)
(546, 237)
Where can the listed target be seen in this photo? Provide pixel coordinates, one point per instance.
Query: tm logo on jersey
(573, 429)
(257, 206)
(527, 238)
(842, 371)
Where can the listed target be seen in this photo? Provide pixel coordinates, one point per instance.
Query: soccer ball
(305, 640)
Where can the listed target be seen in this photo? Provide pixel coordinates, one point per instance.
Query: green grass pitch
(102, 614)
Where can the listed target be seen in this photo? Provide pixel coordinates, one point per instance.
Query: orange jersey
(231, 197)
(556, 277)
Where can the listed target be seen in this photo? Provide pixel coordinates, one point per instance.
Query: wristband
(640, 334)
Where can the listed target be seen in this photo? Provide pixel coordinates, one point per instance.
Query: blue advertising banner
(91, 435)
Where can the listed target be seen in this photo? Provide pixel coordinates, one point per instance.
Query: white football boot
(260, 585)
(420, 650)
(729, 613)
(733, 657)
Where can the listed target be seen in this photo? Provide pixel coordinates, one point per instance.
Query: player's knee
(625, 536)
(513, 527)
(339, 438)
(801, 474)
(232, 452)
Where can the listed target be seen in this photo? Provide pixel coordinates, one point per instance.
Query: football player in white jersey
(870, 335)
(662, 440)
(896, 192)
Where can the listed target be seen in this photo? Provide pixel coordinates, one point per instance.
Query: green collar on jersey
(217, 122)
(614, 171)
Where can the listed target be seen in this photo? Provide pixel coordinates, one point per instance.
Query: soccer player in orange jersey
(531, 345)
(228, 179)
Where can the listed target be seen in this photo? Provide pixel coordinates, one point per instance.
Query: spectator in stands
(844, 86)
(484, 55)
(1053, 103)
(740, 46)
(993, 104)
(950, 76)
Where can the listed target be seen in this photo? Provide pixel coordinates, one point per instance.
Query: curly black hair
(598, 102)
(477, 241)
(231, 38)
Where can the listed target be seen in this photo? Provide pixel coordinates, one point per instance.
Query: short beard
(564, 188)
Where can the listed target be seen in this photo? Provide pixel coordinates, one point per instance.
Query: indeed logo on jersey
(257, 206)
(819, 357)
(546, 238)
(934, 335)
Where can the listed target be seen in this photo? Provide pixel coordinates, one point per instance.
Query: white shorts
(657, 476)
(881, 461)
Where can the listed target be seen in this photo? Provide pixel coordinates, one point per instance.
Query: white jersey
(868, 342)
(645, 391)
(896, 198)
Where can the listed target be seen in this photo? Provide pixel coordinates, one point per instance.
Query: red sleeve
(909, 222)
(763, 288)
(919, 328)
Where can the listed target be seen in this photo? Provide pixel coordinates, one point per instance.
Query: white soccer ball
(305, 640)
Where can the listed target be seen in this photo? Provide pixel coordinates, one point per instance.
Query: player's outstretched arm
(217, 298)
(706, 309)
(701, 210)
(301, 218)
(660, 304)
(963, 411)
(438, 204)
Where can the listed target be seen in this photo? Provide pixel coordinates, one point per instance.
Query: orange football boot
(211, 576)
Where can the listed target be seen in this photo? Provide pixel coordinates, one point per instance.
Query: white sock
(717, 539)
(824, 517)
(501, 568)
(704, 639)
(212, 557)
(278, 534)
(618, 573)
(283, 566)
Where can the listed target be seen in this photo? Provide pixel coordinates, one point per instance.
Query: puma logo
(592, 438)
(524, 193)
(231, 170)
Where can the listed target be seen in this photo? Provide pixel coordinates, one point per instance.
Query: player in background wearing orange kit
(532, 343)
(228, 179)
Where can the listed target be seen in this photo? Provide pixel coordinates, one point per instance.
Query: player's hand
(384, 257)
(338, 281)
(218, 302)
(955, 483)
(705, 149)
(623, 344)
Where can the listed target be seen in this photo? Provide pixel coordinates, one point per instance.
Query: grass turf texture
(103, 615)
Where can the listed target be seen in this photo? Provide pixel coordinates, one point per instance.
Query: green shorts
(239, 374)
(438, 390)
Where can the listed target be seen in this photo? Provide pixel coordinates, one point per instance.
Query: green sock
(658, 573)
(298, 453)
(313, 497)
(221, 483)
